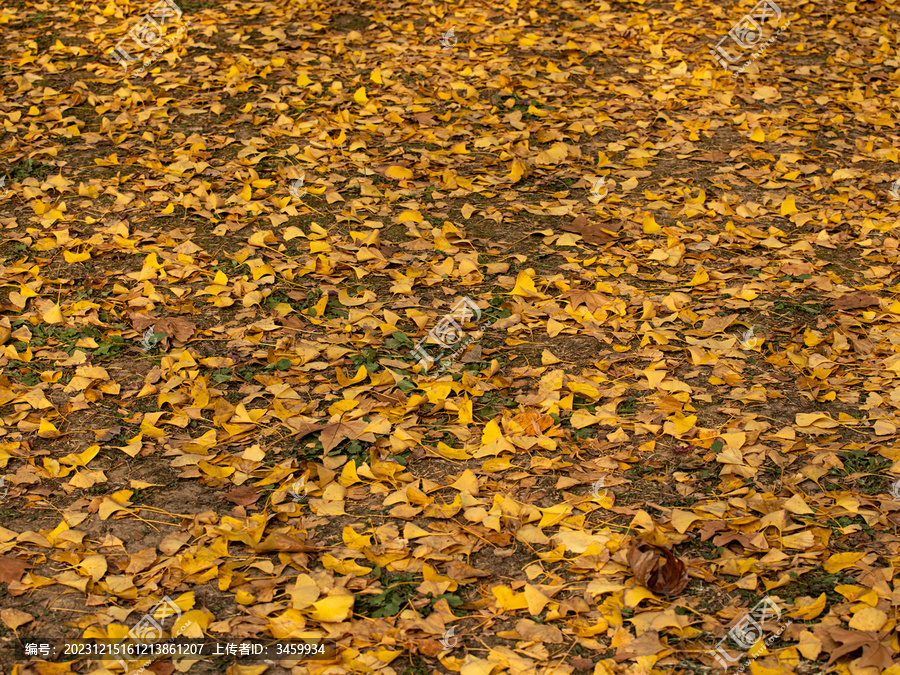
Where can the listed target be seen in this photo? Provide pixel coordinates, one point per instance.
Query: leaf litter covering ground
(608, 479)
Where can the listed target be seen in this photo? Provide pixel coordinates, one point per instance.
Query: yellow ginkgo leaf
(525, 286)
(841, 561)
(93, 566)
(13, 618)
(700, 277)
(193, 624)
(73, 257)
(516, 171)
(333, 609)
(51, 313)
(399, 173)
(410, 217)
(788, 208)
(868, 619)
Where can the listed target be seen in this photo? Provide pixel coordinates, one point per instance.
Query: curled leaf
(663, 578)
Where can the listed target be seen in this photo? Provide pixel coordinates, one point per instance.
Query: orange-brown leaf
(664, 578)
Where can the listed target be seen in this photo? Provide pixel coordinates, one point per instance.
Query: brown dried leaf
(531, 630)
(141, 561)
(797, 268)
(664, 578)
(460, 571)
(646, 644)
(590, 299)
(856, 300)
(333, 434)
(582, 663)
(592, 233)
(176, 327)
(141, 321)
(876, 650)
(243, 495)
(716, 156)
(12, 569)
(281, 542)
